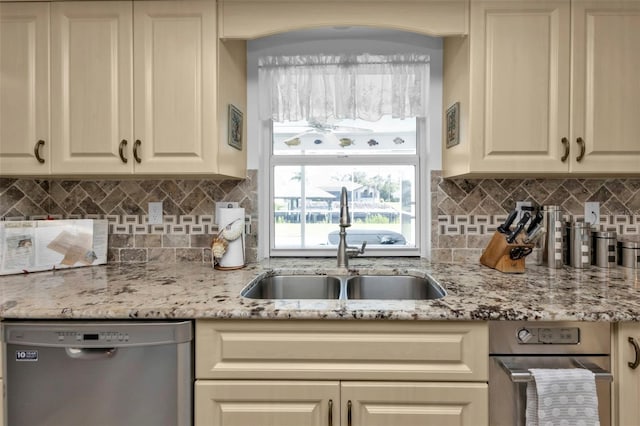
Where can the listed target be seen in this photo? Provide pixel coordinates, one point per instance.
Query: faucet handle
(355, 251)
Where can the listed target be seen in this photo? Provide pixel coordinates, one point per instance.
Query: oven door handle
(522, 375)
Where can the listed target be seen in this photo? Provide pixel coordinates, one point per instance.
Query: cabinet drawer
(337, 350)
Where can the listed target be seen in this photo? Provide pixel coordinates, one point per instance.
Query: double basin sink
(357, 287)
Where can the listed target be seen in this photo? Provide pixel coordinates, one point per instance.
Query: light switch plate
(155, 213)
(592, 212)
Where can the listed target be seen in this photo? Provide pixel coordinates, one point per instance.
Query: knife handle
(504, 228)
(535, 221)
(519, 227)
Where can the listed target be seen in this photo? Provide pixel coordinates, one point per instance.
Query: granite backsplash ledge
(188, 207)
(466, 212)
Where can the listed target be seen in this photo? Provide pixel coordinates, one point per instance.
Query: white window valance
(323, 87)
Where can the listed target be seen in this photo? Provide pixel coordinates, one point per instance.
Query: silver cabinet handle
(331, 412)
(566, 144)
(636, 350)
(349, 413)
(582, 149)
(36, 151)
(136, 146)
(123, 145)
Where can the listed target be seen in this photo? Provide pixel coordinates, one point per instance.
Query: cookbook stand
(497, 255)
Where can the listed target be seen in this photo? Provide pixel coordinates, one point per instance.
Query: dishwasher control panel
(548, 335)
(97, 334)
(103, 336)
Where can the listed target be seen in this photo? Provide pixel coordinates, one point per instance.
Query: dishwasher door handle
(91, 353)
(523, 375)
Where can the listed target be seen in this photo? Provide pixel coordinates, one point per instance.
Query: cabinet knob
(36, 151)
(566, 144)
(123, 145)
(331, 412)
(582, 149)
(349, 413)
(136, 146)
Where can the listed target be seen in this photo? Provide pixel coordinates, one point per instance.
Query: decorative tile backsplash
(466, 212)
(188, 207)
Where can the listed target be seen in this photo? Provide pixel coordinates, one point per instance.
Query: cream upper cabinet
(24, 89)
(345, 373)
(249, 19)
(511, 78)
(137, 87)
(626, 388)
(605, 102)
(91, 87)
(538, 82)
(175, 92)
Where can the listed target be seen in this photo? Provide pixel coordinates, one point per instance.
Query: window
(344, 121)
(377, 164)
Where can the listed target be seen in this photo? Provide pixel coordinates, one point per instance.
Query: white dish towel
(562, 397)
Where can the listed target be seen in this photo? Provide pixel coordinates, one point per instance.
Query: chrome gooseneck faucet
(345, 251)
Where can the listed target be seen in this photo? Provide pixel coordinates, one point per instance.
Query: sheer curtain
(324, 87)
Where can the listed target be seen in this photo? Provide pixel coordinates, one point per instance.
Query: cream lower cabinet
(545, 87)
(626, 388)
(24, 89)
(341, 373)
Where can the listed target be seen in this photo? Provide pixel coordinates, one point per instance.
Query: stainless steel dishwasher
(98, 373)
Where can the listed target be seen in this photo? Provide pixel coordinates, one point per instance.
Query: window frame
(418, 160)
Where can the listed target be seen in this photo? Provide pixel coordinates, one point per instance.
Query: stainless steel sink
(378, 287)
(294, 287)
(396, 287)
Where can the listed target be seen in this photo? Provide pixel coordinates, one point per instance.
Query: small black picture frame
(453, 125)
(235, 127)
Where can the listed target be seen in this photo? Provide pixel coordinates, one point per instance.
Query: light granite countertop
(192, 290)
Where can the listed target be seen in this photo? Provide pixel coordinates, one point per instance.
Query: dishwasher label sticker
(26, 355)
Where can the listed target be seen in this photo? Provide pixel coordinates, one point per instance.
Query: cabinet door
(175, 86)
(627, 380)
(24, 88)
(519, 86)
(91, 86)
(414, 404)
(606, 87)
(276, 403)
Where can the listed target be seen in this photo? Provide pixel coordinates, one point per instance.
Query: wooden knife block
(496, 255)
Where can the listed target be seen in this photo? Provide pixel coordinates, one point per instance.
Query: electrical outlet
(155, 213)
(592, 213)
(247, 224)
(523, 206)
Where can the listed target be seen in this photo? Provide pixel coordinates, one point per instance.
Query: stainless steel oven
(516, 346)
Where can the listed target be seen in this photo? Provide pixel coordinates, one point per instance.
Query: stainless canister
(603, 249)
(578, 244)
(550, 253)
(629, 254)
